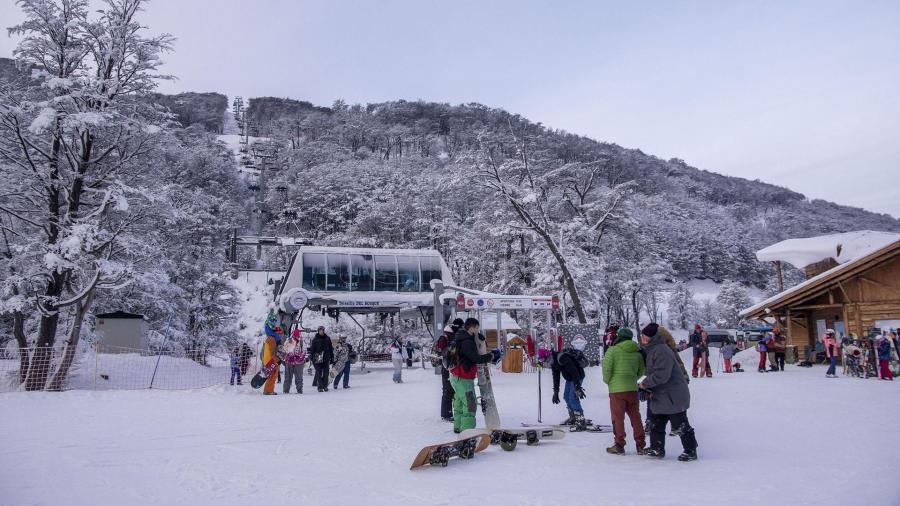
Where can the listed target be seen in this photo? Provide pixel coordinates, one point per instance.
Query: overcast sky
(805, 95)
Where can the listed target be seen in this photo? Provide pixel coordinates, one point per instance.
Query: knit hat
(650, 330)
(624, 334)
(457, 323)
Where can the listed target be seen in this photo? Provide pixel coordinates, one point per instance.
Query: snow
(231, 445)
(42, 121)
(803, 252)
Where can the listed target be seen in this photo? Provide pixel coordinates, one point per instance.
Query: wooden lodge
(853, 297)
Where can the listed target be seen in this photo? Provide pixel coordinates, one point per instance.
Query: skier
(763, 347)
(321, 352)
(779, 346)
(463, 374)
(396, 349)
(235, 365)
(570, 363)
(622, 366)
(442, 343)
(294, 359)
(884, 358)
(270, 348)
(694, 343)
(342, 360)
(727, 351)
(831, 352)
(669, 394)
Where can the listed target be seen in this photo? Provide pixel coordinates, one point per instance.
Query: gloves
(580, 392)
(556, 397)
(644, 394)
(495, 356)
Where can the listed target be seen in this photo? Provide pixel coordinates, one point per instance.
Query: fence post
(96, 362)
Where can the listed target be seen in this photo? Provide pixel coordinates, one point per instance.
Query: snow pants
(345, 373)
(885, 366)
(464, 403)
(698, 359)
(320, 377)
(398, 370)
(571, 398)
(446, 394)
(762, 361)
(295, 372)
(236, 373)
(680, 425)
(727, 365)
(779, 359)
(626, 403)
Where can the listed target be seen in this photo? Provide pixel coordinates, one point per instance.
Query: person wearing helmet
(831, 352)
(570, 363)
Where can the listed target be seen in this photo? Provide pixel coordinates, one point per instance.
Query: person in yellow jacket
(270, 347)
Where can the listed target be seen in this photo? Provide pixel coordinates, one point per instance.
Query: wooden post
(779, 278)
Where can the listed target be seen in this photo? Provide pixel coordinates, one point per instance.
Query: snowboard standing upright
(488, 406)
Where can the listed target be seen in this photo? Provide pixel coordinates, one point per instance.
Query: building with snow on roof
(852, 286)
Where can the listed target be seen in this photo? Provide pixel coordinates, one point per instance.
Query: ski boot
(579, 425)
(570, 420)
(688, 456)
(616, 449)
(655, 453)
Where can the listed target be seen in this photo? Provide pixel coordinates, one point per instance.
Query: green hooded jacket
(622, 366)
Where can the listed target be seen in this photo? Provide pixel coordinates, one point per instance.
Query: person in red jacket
(462, 375)
(831, 351)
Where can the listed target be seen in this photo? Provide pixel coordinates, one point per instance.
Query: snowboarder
(669, 394)
(294, 359)
(831, 352)
(321, 352)
(622, 366)
(763, 347)
(396, 349)
(463, 374)
(442, 343)
(779, 348)
(270, 348)
(342, 361)
(570, 363)
(884, 358)
(235, 365)
(727, 351)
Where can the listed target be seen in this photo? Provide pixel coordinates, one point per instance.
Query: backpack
(450, 356)
(437, 351)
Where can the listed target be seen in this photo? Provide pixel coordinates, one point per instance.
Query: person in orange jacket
(270, 348)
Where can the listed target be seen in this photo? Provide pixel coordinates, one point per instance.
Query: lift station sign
(496, 303)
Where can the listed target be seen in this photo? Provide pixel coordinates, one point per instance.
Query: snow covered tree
(732, 299)
(681, 306)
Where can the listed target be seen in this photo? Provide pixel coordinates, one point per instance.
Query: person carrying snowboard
(570, 363)
(463, 372)
(396, 349)
(622, 366)
(294, 359)
(437, 360)
(321, 352)
(669, 396)
(342, 361)
(270, 352)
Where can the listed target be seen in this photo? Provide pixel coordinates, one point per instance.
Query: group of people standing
(882, 348)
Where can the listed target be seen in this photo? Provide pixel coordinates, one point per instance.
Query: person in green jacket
(622, 366)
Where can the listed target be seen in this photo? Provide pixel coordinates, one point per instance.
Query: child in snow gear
(727, 351)
(622, 366)
(763, 347)
(831, 352)
(440, 346)
(670, 396)
(235, 365)
(396, 349)
(321, 352)
(462, 376)
(294, 359)
(570, 363)
(342, 362)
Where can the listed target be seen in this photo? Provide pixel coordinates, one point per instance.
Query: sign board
(506, 303)
(590, 334)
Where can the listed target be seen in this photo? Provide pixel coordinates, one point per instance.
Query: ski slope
(815, 441)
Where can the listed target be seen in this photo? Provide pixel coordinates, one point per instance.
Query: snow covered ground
(783, 438)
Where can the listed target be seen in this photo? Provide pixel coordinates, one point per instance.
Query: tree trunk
(634, 307)
(19, 333)
(81, 309)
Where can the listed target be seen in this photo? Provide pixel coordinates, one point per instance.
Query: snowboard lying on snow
(509, 438)
(591, 427)
(440, 454)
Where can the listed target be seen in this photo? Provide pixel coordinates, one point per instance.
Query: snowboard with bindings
(260, 378)
(509, 438)
(440, 454)
(588, 426)
(488, 406)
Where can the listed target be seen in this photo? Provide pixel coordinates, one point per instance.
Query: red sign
(460, 301)
(555, 302)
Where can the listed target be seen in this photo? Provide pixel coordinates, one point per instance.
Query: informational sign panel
(588, 333)
(493, 303)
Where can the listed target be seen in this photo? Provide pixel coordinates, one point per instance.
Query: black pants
(679, 422)
(446, 394)
(321, 376)
(779, 360)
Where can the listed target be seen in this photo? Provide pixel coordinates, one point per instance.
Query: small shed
(489, 325)
(514, 359)
(121, 332)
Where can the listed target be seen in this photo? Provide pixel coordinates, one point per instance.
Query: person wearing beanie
(622, 366)
(570, 363)
(669, 396)
(437, 360)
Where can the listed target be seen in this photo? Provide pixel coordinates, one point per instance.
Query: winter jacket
(831, 346)
(321, 348)
(396, 350)
(469, 358)
(622, 366)
(269, 351)
(670, 392)
(670, 341)
(779, 343)
(764, 344)
(341, 354)
(727, 351)
(694, 342)
(568, 364)
(884, 350)
(293, 352)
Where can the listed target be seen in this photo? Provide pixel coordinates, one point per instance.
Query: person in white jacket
(397, 359)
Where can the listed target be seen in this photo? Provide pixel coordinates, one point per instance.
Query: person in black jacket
(443, 341)
(321, 353)
(570, 363)
(464, 373)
